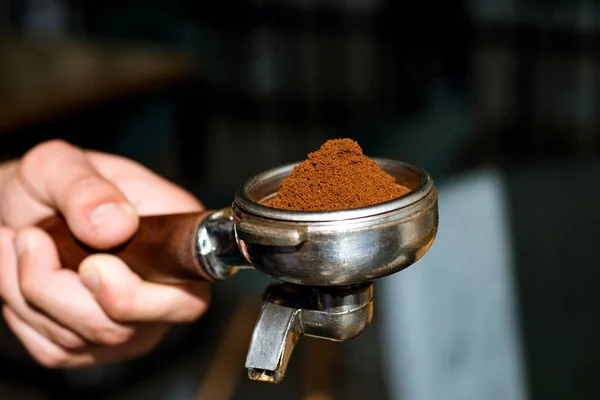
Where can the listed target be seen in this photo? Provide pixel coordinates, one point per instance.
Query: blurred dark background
(208, 94)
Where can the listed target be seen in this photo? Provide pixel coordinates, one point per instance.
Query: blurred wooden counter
(43, 81)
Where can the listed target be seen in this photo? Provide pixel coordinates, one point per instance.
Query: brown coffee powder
(336, 177)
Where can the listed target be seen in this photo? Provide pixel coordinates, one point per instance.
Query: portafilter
(325, 261)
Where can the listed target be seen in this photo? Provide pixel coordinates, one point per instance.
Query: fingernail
(108, 212)
(90, 278)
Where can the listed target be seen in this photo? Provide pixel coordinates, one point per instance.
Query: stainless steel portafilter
(326, 261)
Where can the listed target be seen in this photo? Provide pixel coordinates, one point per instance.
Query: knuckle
(112, 335)
(119, 308)
(67, 341)
(84, 187)
(49, 148)
(51, 359)
(43, 153)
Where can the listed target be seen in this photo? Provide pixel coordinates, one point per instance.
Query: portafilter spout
(326, 260)
(289, 311)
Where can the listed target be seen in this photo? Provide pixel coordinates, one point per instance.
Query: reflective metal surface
(216, 249)
(327, 260)
(290, 311)
(340, 247)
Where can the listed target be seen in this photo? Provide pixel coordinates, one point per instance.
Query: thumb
(60, 176)
(125, 297)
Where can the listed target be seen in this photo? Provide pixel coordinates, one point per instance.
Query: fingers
(51, 290)
(45, 352)
(7, 169)
(60, 176)
(60, 294)
(10, 293)
(150, 193)
(51, 355)
(126, 297)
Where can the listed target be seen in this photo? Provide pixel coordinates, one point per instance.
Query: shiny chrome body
(327, 260)
(216, 249)
(290, 311)
(338, 247)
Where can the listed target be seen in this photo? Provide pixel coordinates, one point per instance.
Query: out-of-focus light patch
(45, 19)
(450, 324)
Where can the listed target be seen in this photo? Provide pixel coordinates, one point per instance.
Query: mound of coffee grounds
(336, 177)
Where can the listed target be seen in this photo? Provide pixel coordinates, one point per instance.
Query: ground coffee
(336, 177)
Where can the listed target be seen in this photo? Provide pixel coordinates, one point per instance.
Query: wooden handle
(162, 249)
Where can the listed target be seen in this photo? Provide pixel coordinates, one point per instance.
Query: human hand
(104, 312)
